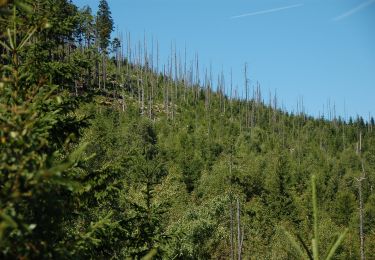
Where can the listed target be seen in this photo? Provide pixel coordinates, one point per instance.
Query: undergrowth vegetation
(106, 156)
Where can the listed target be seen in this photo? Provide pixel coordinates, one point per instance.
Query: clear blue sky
(320, 50)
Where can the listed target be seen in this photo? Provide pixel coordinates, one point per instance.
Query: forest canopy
(103, 155)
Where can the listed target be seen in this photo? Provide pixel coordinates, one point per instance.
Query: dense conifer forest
(105, 153)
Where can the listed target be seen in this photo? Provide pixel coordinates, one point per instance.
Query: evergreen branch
(5, 45)
(315, 249)
(315, 215)
(295, 244)
(336, 245)
(25, 7)
(305, 247)
(27, 37)
(10, 39)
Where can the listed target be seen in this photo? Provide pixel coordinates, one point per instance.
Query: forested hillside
(107, 154)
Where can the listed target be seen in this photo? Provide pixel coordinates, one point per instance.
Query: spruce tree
(104, 28)
(37, 130)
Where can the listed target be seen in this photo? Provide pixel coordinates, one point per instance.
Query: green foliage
(202, 231)
(148, 167)
(104, 24)
(36, 130)
(303, 251)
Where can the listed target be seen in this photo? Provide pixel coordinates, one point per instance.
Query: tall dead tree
(231, 94)
(359, 181)
(240, 232)
(246, 97)
(231, 229)
(171, 84)
(197, 79)
(185, 75)
(175, 72)
(223, 92)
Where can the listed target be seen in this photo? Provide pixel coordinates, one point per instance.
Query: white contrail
(267, 11)
(354, 10)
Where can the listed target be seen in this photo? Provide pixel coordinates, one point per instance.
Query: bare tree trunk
(97, 72)
(152, 96)
(142, 96)
(231, 94)
(247, 124)
(239, 235)
(75, 87)
(104, 70)
(176, 73)
(167, 100)
(99, 77)
(185, 76)
(359, 180)
(139, 91)
(123, 101)
(231, 230)
(361, 233)
(197, 81)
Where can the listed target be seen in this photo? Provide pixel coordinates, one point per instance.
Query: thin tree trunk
(139, 91)
(246, 98)
(97, 73)
(239, 236)
(75, 86)
(362, 178)
(231, 230)
(123, 101)
(104, 72)
(361, 233)
(142, 96)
